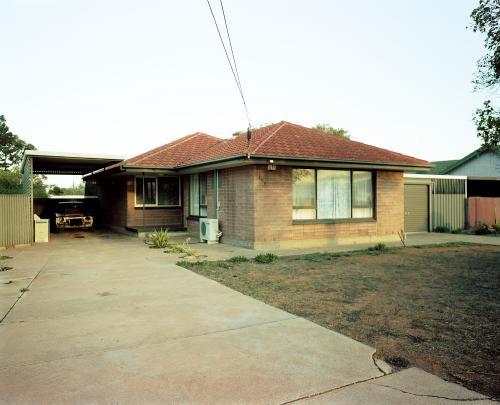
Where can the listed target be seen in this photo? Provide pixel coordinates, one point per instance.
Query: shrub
(238, 259)
(481, 229)
(442, 229)
(496, 228)
(379, 247)
(266, 258)
(158, 239)
(458, 230)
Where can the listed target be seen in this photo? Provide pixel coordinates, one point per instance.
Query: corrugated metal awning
(67, 163)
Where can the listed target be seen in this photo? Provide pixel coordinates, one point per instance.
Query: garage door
(416, 208)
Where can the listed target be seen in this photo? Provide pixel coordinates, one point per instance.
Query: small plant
(24, 289)
(458, 230)
(266, 258)
(402, 237)
(182, 248)
(379, 247)
(238, 259)
(158, 239)
(480, 229)
(442, 229)
(496, 228)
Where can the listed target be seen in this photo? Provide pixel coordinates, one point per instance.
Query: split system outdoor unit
(209, 230)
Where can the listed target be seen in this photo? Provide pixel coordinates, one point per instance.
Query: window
(157, 191)
(362, 195)
(198, 188)
(332, 194)
(304, 190)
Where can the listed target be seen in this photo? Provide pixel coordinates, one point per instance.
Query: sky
(120, 77)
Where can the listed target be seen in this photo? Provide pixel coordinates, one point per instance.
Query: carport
(19, 212)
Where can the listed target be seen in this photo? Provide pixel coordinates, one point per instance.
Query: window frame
(200, 205)
(317, 220)
(156, 205)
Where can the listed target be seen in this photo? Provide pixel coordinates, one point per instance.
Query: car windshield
(70, 208)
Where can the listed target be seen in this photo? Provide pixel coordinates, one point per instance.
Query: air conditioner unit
(209, 228)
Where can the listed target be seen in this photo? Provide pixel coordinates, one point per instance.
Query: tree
(11, 183)
(328, 129)
(488, 126)
(486, 19)
(11, 146)
(56, 190)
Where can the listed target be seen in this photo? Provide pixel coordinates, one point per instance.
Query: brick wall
(255, 210)
(236, 205)
(273, 214)
(112, 202)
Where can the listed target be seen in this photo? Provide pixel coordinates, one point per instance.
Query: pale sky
(121, 77)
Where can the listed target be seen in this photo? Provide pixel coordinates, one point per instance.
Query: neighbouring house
(283, 185)
(454, 194)
(482, 168)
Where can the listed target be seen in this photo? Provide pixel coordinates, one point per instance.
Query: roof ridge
(169, 145)
(221, 140)
(283, 123)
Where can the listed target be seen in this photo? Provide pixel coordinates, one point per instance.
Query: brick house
(283, 186)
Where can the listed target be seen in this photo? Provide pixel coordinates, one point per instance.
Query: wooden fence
(16, 219)
(484, 209)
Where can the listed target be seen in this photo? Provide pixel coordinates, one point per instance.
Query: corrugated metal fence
(16, 221)
(448, 203)
(448, 210)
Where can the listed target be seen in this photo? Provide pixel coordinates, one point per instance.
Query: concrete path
(107, 320)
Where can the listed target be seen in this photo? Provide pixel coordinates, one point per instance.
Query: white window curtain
(362, 198)
(325, 194)
(341, 194)
(334, 194)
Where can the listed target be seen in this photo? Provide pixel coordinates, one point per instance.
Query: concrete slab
(411, 386)
(107, 320)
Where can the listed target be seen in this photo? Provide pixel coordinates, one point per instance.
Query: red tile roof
(287, 140)
(174, 153)
(281, 140)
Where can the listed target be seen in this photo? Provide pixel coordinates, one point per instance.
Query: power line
(234, 69)
(230, 45)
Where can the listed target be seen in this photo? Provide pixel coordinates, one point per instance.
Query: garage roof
(66, 163)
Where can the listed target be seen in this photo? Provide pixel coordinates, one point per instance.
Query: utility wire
(231, 45)
(234, 69)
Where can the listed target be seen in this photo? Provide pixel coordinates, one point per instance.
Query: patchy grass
(435, 307)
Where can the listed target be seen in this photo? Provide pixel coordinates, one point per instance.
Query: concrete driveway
(107, 320)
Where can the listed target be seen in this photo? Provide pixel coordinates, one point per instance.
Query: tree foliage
(79, 189)
(486, 19)
(328, 129)
(11, 183)
(12, 149)
(488, 125)
(11, 146)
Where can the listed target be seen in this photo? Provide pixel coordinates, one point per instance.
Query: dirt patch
(435, 308)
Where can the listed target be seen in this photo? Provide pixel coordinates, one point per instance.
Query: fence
(484, 209)
(448, 210)
(16, 220)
